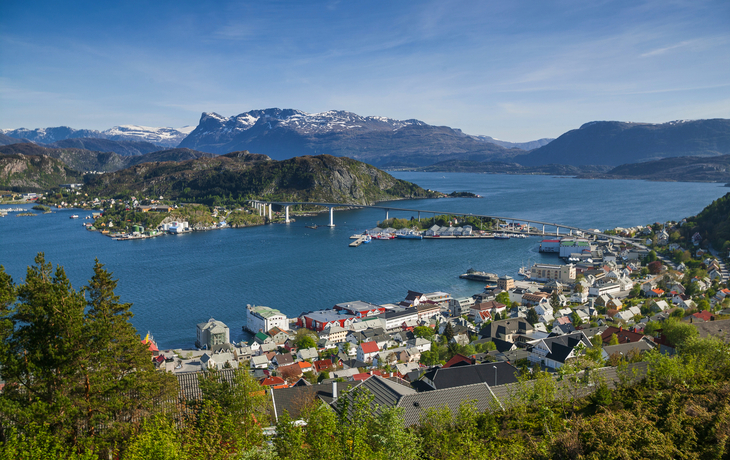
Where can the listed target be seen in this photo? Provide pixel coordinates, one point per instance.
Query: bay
(176, 282)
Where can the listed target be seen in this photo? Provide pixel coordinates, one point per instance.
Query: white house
(366, 351)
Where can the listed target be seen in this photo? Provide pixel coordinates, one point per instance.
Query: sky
(514, 70)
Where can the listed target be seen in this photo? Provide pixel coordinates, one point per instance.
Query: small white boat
(75, 216)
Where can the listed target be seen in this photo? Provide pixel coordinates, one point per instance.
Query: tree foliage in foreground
(73, 365)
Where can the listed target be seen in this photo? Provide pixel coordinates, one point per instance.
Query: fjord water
(175, 282)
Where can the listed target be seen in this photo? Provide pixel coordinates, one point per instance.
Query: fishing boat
(409, 235)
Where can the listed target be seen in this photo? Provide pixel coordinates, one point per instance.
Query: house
(491, 306)
(212, 333)
(218, 360)
(414, 298)
(259, 362)
(307, 353)
(322, 319)
(614, 304)
(656, 292)
(623, 335)
(426, 310)
(334, 333)
(278, 336)
(419, 343)
(275, 381)
(534, 298)
(282, 359)
(553, 352)
(658, 305)
(460, 306)
(323, 365)
(493, 374)
(507, 329)
(366, 351)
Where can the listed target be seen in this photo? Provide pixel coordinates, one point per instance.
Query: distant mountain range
(399, 144)
(163, 137)
(88, 160)
(615, 143)
(678, 169)
(284, 133)
(531, 145)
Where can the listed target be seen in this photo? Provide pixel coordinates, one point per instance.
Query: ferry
(483, 277)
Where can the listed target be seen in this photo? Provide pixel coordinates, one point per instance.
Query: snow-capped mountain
(164, 137)
(50, 135)
(285, 133)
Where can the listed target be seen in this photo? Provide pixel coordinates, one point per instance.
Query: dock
(357, 242)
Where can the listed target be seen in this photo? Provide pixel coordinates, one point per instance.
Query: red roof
(151, 346)
(269, 381)
(704, 315)
(359, 377)
(322, 364)
(657, 291)
(457, 359)
(369, 347)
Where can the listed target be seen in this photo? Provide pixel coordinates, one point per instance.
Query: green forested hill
(713, 223)
(241, 175)
(34, 172)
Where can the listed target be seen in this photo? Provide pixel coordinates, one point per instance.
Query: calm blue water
(175, 282)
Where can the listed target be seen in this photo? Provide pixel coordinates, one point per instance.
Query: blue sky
(514, 70)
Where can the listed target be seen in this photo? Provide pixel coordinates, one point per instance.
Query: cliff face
(241, 175)
(34, 172)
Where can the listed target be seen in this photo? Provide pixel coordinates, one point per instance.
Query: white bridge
(267, 206)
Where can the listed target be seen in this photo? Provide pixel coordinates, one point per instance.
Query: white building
(264, 319)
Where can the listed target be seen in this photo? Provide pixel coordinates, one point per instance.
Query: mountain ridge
(615, 143)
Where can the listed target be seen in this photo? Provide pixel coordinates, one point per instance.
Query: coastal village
(599, 307)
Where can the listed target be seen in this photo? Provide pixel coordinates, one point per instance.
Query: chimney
(620, 328)
(334, 389)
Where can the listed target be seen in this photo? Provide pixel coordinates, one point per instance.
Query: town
(609, 305)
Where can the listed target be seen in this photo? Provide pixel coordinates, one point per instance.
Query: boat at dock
(363, 239)
(409, 235)
(501, 236)
(483, 277)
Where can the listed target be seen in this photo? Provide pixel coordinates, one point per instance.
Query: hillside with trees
(713, 224)
(240, 176)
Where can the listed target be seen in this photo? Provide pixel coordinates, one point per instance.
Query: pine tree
(120, 382)
(41, 351)
(74, 367)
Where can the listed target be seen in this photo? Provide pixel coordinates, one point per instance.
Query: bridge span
(262, 207)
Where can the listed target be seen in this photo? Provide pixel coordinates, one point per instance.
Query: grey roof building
(212, 333)
(499, 373)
